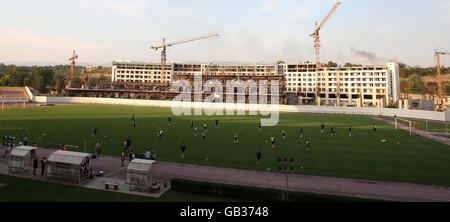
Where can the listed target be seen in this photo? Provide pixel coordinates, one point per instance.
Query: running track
(164, 171)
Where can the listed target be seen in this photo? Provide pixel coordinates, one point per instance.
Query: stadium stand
(14, 94)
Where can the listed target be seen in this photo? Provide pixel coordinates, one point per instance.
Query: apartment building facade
(364, 86)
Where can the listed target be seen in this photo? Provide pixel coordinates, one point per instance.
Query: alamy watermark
(216, 103)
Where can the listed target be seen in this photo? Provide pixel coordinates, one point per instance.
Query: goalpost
(410, 123)
(12, 103)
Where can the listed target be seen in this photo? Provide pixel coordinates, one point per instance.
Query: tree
(76, 82)
(415, 84)
(332, 64)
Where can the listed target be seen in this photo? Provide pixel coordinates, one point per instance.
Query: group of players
(160, 133)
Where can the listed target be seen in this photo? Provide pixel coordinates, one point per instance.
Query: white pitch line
(114, 171)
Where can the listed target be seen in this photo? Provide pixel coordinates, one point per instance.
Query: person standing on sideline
(25, 140)
(147, 154)
(43, 163)
(183, 148)
(35, 165)
(131, 157)
(122, 156)
(258, 157)
(98, 149)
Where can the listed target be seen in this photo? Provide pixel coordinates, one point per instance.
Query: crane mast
(72, 66)
(439, 106)
(316, 37)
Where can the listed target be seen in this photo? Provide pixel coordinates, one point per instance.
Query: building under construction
(368, 86)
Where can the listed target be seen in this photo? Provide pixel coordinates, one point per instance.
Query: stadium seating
(13, 94)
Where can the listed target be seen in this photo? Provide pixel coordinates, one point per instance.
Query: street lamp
(286, 167)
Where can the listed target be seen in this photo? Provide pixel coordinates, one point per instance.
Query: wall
(419, 114)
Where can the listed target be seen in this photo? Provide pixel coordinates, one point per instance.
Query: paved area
(164, 171)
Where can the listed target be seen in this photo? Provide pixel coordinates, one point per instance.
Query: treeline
(45, 78)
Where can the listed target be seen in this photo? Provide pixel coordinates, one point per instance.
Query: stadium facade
(361, 86)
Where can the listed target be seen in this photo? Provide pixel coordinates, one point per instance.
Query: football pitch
(364, 155)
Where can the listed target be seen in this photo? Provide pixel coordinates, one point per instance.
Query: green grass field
(363, 155)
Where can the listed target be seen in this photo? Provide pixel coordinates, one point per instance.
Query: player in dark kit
(333, 133)
(272, 140)
(192, 123)
(236, 141)
(259, 127)
(258, 157)
(350, 131)
(374, 128)
(169, 120)
(322, 128)
(217, 123)
(183, 148)
(308, 143)
(94, 133)
(301, 132)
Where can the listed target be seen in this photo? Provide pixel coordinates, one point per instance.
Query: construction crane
(440, 105)
(164, 45)
(316, 37)
(72, 65)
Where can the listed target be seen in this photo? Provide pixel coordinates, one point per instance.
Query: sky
(250, 31)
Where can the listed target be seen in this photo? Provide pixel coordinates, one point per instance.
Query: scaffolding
(139, 177)
(68, 166)
(21, 159)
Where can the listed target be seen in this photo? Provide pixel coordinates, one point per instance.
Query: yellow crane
(72, 66)
(440, 102)
(316, 37)
(164, 45)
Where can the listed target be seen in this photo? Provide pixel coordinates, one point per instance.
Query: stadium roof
(140, 165)
(70, 157)
(22, 150)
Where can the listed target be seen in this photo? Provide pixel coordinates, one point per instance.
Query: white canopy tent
(68, 166)
(139, 174)
(21, 159)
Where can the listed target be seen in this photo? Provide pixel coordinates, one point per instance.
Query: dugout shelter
(21, 159)
(68, 166)
(139, 176)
